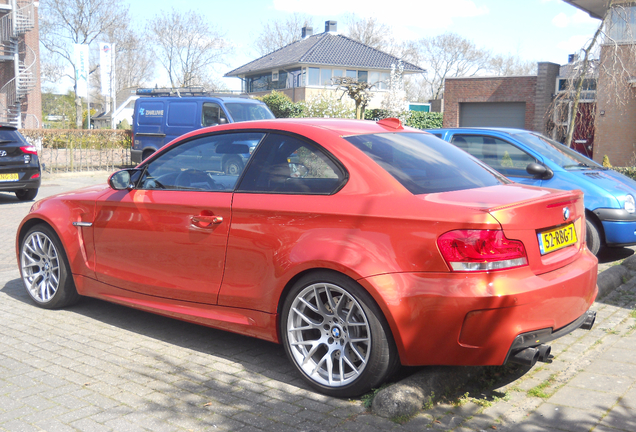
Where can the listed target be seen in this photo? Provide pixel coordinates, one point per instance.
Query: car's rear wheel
(26, 194)
(45, 270)
(592, 236)
(233, 166)
(336, 335)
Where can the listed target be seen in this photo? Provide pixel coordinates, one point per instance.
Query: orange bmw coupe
(357, 245)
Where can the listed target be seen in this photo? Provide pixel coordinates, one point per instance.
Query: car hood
(611, 181)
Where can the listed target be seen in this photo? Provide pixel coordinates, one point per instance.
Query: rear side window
(289, 165)
(498, 154)
(425, 164)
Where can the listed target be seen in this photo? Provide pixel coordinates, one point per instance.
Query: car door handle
(205, 219)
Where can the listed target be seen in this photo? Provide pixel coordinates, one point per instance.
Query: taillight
(29, 149)
(481, 250)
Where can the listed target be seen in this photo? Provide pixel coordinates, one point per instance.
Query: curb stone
(407, 397)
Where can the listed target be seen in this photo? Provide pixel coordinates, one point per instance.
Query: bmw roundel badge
(566, 213)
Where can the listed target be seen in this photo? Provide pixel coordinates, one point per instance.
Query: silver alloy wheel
(329, 335)
(40, 265)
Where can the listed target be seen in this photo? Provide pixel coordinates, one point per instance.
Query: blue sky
(536, 30)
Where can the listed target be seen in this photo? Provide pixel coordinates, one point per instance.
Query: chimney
(307, 31)
(331, 26)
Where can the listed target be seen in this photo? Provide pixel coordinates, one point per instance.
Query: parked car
(358, 245)
(20, 171)
(162, 117)
(533, 159)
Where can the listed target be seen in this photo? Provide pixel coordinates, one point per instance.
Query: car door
(168, 236)
(285, 190)
(501, 155)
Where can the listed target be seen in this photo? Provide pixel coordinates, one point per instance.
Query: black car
(19, 165)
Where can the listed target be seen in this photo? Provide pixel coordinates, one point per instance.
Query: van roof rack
(185, 92)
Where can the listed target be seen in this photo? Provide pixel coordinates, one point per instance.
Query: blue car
(533, 159)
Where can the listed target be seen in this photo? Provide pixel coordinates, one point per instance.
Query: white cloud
(574, 44)
(561, 20)
(579, 17)
(428, 13)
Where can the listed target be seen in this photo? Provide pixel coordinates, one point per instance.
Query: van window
(212, 114)
(248, 111)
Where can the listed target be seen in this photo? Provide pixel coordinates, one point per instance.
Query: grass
(539, 390)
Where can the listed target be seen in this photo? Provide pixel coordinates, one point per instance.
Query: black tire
(592, 236)
(363, 355)
(45, 270)
(26, 194)
(233, 166)
(146, 154)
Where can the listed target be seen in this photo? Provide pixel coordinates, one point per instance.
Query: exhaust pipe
(544, 353)
(526, 357)
(589, 320)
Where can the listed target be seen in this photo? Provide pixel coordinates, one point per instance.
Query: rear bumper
(25, 181)
(473, 319)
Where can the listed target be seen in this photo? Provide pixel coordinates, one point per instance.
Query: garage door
(493, 114)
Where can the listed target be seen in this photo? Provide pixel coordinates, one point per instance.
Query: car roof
(343, 127)
(510, 131)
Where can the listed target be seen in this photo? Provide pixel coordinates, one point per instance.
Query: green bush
(628, 171)
(96, 139)
(281, 105)
(416, 119)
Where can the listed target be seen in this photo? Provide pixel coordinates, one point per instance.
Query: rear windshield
(248, 111)
(426, 164)
(10, 135)
(561, 155)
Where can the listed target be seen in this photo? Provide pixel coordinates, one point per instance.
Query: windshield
(558, 153)
(248, 111)
(424, 163)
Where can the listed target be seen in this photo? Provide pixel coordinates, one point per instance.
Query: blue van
(533, 159)
(162, 116)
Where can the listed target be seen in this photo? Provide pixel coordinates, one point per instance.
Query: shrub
(628, 171)
(416, 119)
(328, 105)
(281, 105)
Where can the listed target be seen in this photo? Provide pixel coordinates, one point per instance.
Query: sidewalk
(101, 367)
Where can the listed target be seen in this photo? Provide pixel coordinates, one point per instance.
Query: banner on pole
(81, 69)
(105, 66)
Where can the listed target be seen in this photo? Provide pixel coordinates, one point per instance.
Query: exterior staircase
(14, 24)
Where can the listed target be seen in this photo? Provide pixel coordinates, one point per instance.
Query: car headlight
(630, 205)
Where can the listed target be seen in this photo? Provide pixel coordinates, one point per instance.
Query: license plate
(555, 239)
(9, 177)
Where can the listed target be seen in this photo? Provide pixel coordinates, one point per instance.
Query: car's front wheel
(45, 270)
(592, 236)
(336, 335)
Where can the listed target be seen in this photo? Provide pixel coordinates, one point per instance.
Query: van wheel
(146, 154)
(233, 166)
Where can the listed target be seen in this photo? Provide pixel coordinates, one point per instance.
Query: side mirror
(123, 180)
(539, 171)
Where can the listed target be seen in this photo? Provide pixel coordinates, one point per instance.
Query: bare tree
(279, 33)
(187, 46)
(449, 55)
(375, 34)
(134, 59)
(359, 91)
(509, 65)
(64, 23)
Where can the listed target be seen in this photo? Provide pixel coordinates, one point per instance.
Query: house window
(352, 74)
(325, 77)
(363, 76)
(622, 24)
(314, 76)
(338, 72)
(385, 78)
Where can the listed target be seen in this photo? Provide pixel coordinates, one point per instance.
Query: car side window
(500, 155)
(207, 163)
(288, 165)
(212, 114)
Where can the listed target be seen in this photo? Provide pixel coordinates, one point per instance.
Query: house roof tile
(324, 49)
